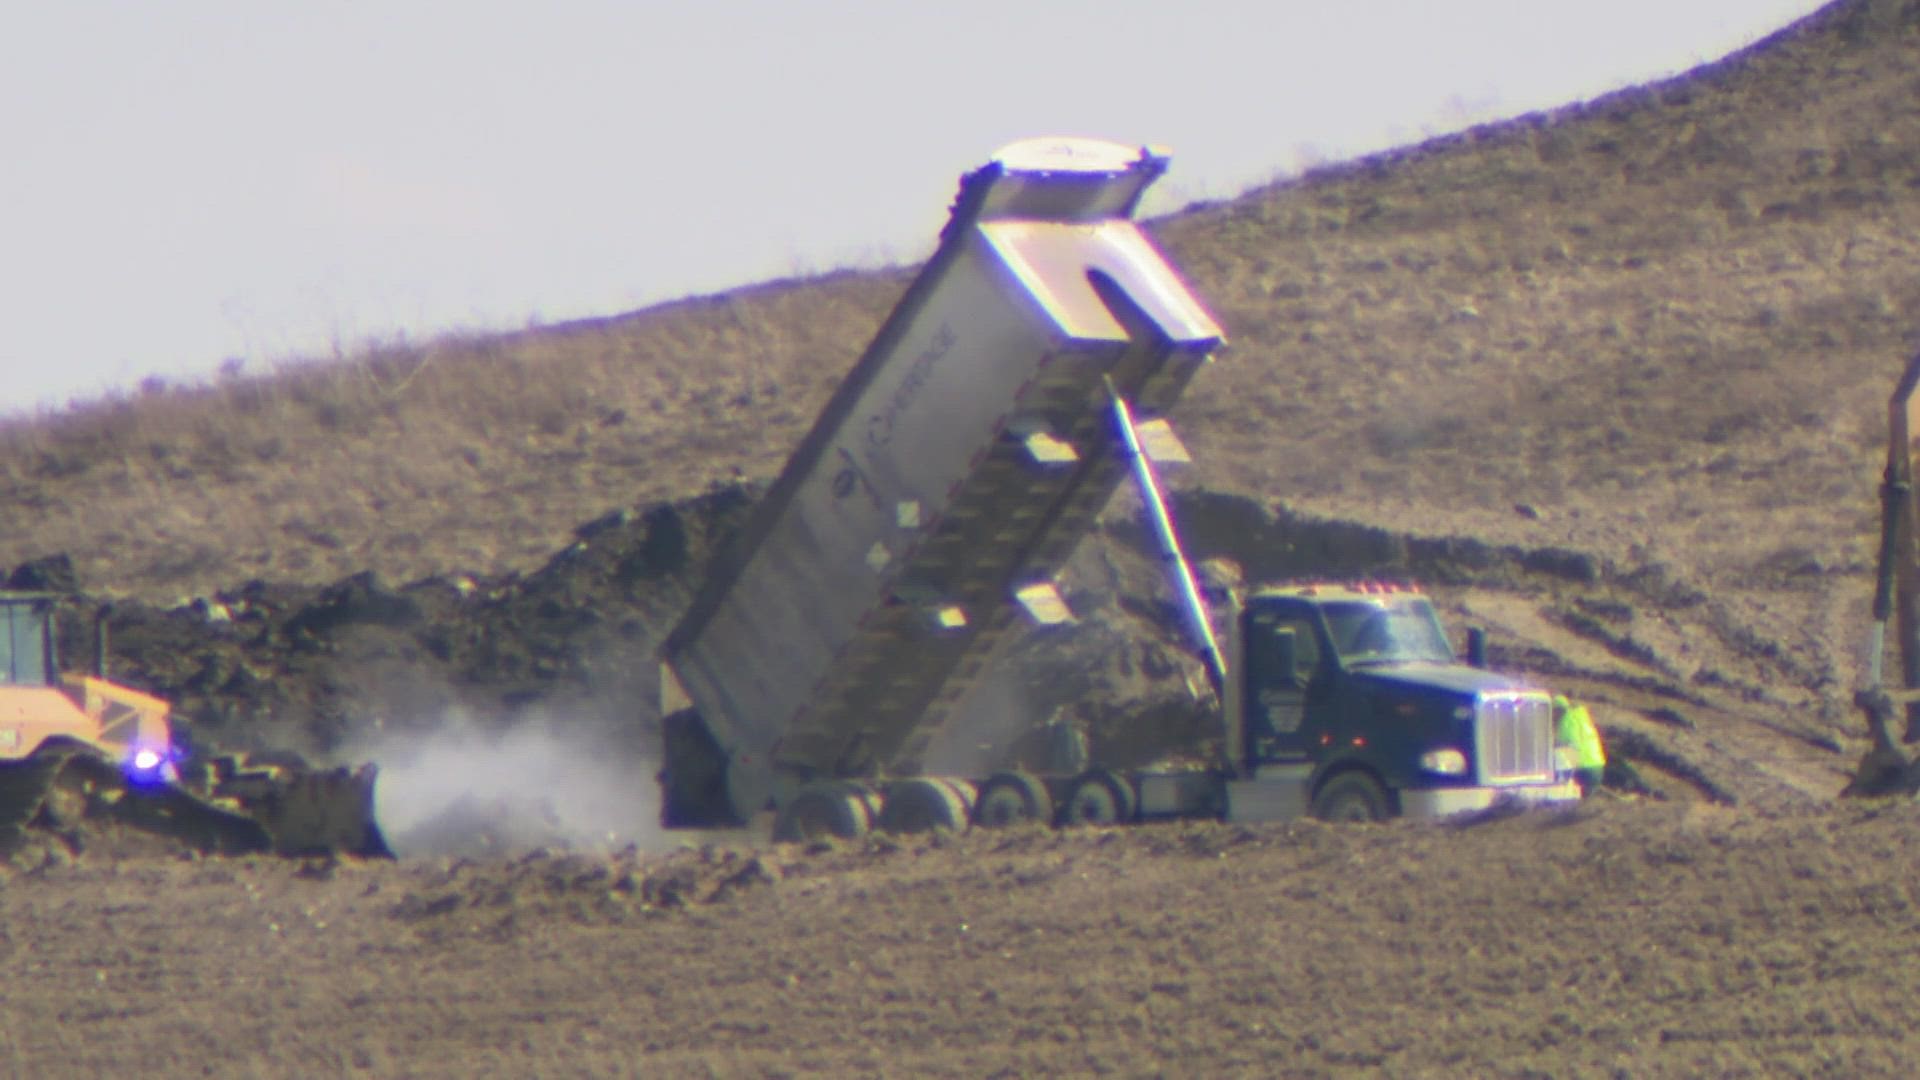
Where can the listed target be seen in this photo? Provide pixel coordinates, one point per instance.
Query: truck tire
(1010, 798)
(1098, 797)
(867, 796)
(969, 793)
(1351, 796)
(822, 811)
(924, 804)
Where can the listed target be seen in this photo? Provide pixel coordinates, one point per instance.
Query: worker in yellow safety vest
(1574, 730)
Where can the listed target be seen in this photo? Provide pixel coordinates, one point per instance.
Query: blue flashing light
(150, 765)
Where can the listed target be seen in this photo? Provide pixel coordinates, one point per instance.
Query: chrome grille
(1513, 737)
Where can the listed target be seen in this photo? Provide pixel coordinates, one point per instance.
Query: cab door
(1285, 660)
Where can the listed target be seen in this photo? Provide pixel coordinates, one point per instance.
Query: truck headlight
(1446, 761)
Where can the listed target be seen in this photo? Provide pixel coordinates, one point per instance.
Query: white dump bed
(952, 472)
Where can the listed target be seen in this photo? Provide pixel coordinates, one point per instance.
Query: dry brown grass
(475, 454)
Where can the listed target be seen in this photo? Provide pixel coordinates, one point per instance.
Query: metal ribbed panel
(1513, 737)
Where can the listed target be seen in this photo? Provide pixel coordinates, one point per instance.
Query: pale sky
(194, 181)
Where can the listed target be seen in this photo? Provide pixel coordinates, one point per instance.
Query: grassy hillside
(1658, 327)
(461, 454)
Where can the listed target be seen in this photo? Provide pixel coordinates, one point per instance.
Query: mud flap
(693, 781)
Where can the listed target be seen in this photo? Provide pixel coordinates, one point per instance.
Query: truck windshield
(1396, 631)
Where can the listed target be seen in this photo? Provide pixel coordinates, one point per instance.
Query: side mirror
(1477, 646)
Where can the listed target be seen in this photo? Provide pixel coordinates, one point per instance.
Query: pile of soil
(340, 673)
(318, 672)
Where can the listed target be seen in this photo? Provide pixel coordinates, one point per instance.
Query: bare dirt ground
(1609, 382)
(1626, 938)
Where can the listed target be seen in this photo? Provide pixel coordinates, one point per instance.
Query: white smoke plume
(462, 790)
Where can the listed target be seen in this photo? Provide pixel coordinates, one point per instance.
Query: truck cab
(1352, 695)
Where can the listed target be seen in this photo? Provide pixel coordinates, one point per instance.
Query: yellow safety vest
(1577, 731)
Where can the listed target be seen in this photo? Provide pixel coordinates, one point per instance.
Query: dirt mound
(1626, 936)
(505, 703)
(316, 670)
(581, 888)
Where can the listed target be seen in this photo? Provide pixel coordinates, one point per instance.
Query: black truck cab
(1355, 690)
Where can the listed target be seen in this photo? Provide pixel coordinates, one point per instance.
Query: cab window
(1268, 628)
(23, 645)
(1400, 631)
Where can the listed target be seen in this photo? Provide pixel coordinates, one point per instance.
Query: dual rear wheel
(1095, 797)
(1010, 798)
(827, 810)
(927, 804)
(849, 810)
(1098, 797)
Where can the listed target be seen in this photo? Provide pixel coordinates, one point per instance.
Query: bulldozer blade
(325, 812)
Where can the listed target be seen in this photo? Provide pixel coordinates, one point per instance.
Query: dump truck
(921, 523)
(77, 746)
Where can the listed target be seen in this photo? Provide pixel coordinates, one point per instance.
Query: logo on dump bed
(880, 424)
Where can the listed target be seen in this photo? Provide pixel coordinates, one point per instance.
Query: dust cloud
(464, 790)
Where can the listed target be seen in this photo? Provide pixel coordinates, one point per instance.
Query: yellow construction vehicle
(1887, 769)
(74, 747)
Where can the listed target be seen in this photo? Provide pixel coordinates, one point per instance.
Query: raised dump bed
(943, 485)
